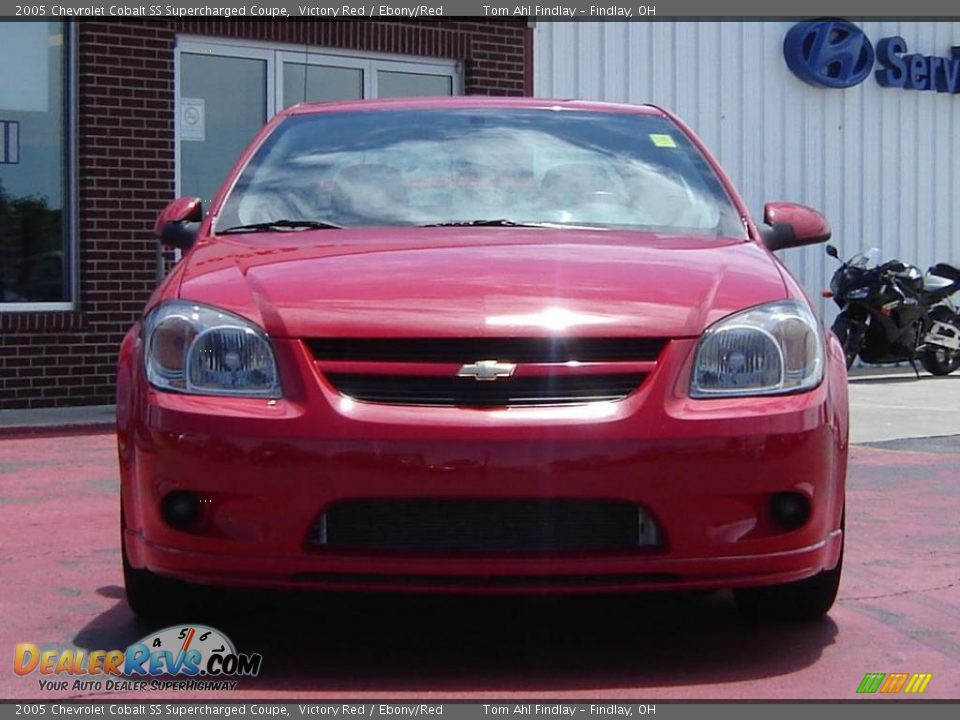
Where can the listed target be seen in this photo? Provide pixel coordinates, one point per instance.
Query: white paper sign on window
(9, 142)
(193, 119)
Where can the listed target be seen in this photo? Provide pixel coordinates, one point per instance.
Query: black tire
(153, 597)
(940, 361)
(808, 599)
(150, 596)
(850, 335)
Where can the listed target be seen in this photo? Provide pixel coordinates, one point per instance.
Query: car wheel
(808, 599)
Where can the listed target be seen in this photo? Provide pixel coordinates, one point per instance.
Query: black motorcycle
(891, 312)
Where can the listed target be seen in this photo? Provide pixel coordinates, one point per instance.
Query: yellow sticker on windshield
(664, 141)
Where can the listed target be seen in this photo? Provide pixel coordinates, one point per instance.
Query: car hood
(470, 282)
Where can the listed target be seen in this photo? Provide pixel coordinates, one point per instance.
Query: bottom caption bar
(867, 709)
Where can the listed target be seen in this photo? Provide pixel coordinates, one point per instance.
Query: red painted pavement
(898, 610)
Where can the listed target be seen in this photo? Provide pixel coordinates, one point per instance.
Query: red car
(482, 345)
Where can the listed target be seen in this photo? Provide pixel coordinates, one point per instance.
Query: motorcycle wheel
(850, 338)
(940, 361)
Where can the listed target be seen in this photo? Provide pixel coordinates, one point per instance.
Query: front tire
(808, 599)
(150, 596)
(153, 597)
(850, 334)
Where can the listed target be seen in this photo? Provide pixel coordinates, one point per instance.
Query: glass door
(305, 76)
(225, 97)
(226, 92)
(310, 79)
(391, 84)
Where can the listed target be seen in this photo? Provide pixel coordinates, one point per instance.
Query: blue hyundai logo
(828, 53)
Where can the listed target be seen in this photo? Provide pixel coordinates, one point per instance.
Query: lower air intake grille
(484, 581)
(468, 392)
(484, 526)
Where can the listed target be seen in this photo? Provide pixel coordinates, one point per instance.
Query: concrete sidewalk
(897, 406)
(47, 420)
(884, 405)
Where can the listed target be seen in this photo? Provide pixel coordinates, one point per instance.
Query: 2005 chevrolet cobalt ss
(482, 345)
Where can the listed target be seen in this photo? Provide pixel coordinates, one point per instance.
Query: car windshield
(480, 166)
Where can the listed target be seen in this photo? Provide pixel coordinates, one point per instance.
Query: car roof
(469, 101)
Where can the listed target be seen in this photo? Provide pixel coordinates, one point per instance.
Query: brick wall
(126, 175)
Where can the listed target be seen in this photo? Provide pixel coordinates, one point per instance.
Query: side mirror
(178, 223)
(832, 252)
(792, 225)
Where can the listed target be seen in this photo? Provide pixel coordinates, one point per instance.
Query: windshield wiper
(501, 222)
(281, 225)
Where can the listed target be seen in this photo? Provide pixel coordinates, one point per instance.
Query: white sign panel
(193, 119)
(9, 142)
(25, 59)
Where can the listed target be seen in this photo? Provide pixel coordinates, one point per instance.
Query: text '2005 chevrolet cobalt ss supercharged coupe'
(482, 345)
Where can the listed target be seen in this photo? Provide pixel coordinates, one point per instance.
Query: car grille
(467, 392)
(362, 368)
(468, 350)
(443, 526)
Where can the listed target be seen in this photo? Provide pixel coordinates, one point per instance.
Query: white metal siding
(883, 164)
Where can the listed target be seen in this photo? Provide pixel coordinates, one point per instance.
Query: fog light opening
(180, 509)
(790, 509)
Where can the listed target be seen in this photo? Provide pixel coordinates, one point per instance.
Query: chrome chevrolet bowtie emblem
(487, 370)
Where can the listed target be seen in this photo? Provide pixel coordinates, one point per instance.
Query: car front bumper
(705, 471)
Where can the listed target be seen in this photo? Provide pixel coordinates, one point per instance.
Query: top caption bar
(433, 9)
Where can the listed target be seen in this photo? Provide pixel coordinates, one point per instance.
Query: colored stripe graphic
(894, 682)
(918, 682)
(871, 682)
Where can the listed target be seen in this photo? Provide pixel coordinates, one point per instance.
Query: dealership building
(104, 121)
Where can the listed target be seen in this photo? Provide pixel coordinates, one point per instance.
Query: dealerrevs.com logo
(203, 655)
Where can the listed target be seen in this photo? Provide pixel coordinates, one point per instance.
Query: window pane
(223, 105)
(34, 262)
(402, 84)
(320, 83)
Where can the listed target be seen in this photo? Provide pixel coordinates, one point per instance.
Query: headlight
(767, 350)
(192, 348)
